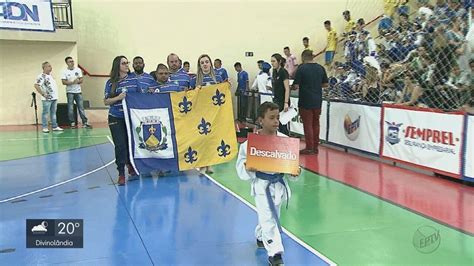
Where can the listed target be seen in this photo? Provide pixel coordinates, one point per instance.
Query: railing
(62, 11)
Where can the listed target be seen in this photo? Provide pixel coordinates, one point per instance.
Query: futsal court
(345, 209)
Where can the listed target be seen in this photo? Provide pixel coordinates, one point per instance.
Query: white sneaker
(58, 129)
(45, 130)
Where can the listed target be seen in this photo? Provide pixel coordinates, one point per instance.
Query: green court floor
(20, 144)
(353, 228)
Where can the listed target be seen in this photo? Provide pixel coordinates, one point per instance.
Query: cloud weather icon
(41, 228)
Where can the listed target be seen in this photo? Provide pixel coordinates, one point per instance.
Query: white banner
(296, 125)
(356, 126)
(429, 139)
(469, 155)
(36, 15)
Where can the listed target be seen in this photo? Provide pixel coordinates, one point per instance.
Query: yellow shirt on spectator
(349, 26)
(332, 40)
(390, 7)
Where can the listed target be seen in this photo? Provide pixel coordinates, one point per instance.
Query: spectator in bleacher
(360, 25)
(186, 66)
(411, 93)
(177, 74)
(72, 78)
(366, 45)
(390, 6)
(371, 89)
(441, 7)
(457, 42)
(403, 7)
(404, 25)
(162, 78)
(385, 25)
(219, 70)
(350, 23)
(46, 86)
(310, 79)
(145, 80)
(262, 83)
(454, 91)
(331, 44)
(350, 49)
(455, 10)
(242, 88)
(291, 62)
(281, 86)
(306, 44)
(416, 61)
(468, 99)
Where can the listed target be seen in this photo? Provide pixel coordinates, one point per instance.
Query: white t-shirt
(261, 82)
(71, 75)
(48, 86)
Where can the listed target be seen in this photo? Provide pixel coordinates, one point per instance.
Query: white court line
(291, 235)
(60, 183)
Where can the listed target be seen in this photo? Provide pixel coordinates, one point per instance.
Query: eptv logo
(18, 11)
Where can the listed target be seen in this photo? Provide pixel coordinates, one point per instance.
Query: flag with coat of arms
(180, 130)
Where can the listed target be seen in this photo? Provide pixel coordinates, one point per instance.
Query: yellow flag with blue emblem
(204, 122)
(180, 130)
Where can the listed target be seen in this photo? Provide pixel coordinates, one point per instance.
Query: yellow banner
(204, 122)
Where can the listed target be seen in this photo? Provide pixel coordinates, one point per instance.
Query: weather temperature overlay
(54, 233)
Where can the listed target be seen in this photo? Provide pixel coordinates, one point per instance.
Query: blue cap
(266, 66)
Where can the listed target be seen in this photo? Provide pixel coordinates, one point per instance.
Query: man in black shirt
(310, 78)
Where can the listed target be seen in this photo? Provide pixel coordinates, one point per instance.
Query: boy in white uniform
(269, 189)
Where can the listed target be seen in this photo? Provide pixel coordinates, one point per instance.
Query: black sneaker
(260, 244)
(276, 260)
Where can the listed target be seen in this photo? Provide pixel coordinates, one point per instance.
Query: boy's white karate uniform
(267, 229)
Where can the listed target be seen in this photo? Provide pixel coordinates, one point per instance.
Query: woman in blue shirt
(205, 76)
(205, 73)
(116, 89)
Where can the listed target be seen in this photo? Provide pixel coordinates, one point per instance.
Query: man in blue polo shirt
(145, 81)
(177, 74)
(242, 88)
(220, 70)
(162, 77)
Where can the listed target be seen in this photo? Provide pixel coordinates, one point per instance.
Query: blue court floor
(174, 220)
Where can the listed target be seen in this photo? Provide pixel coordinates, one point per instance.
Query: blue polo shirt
(206, 80)
(145, 81)
(242, 78)
(180, 78)
(168, 87)
(222, 72)
(128, 84)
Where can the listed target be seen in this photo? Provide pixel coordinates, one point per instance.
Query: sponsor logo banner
(469, 154)
(36, 15)
(355, 126)
(427, 139)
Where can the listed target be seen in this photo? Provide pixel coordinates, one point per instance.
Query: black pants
(242, 107)
(118, 130)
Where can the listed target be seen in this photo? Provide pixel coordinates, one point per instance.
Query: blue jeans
(71, 98)
(49, 107)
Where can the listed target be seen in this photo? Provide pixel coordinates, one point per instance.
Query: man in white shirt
(72, 78)
(46, 86)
